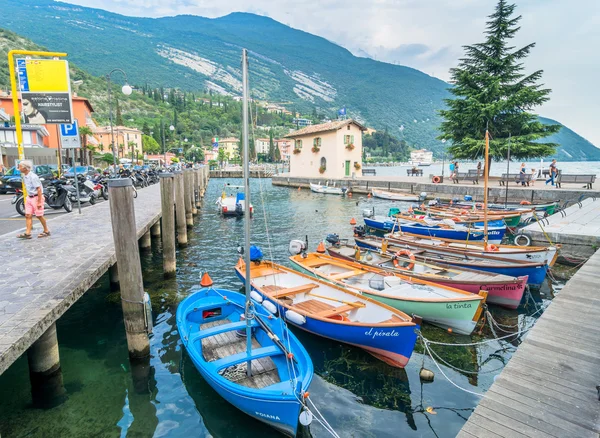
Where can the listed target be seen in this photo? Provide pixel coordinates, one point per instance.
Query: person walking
(533, 176)
(34, 203)
(451, 170)
(522, 174)
(479, 169)
(553, 171)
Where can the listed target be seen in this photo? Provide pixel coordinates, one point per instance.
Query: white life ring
(522, 240)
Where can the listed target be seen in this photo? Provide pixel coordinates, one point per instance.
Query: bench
(516, 177)
(456, 177)
(291, 291)
(372, 172)
(588, 180)
(338, 310)
(414, 172)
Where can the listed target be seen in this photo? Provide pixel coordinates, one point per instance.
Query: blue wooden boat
(536, 271)
(381, 223)
(270, 394)
(459, 232)
(333, 312)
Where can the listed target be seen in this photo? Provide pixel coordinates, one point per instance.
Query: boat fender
(525, 202)
(426, 375)
(522, 240)
(306, 417)
(272, 308)
(464, 212)
(148, 312)
(404, 252)
(456, 219)
(492, 248)
(256, 296)
(295, 317)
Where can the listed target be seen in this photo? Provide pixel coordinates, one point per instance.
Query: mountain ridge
(287, 65)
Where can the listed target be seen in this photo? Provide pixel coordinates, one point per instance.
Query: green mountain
(294, 68)
(573, 147)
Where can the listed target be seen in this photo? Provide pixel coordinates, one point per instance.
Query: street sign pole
(69, 139)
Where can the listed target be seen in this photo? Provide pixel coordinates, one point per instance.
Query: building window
(317, 142)
(323, 163)
(348, 127)
(298, 144)
(348, 139)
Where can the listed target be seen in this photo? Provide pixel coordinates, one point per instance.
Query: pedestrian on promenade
(553, 171)
(34, 203)
(451, 169)
(479, 169)
(533, 176)
(522, 173)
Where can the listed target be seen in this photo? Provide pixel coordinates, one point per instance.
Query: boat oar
(273, 337)
(350, 303)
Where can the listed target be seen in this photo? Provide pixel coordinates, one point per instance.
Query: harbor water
(359, 395)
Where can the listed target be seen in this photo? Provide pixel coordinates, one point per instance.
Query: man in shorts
(34, 203)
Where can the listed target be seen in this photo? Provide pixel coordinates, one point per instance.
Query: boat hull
(393, 345)
(326, 189)
(495, 235)
(391, 196)
(381, 224)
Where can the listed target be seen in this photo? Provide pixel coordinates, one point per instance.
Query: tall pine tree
(119, 117)
(271, 147)
(492, 91)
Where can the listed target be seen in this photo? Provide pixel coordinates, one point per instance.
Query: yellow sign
(47, 75)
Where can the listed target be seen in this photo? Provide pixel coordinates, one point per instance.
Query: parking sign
(69, 136)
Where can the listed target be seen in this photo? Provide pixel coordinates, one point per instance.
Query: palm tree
(84, 131)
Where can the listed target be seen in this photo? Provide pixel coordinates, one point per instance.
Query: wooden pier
(550, 386)
(41, 278)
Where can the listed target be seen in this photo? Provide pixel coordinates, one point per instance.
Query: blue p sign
(69, 130)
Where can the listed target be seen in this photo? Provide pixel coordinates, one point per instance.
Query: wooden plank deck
(550, 386)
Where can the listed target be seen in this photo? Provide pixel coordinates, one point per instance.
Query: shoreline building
(127, 141)
(328, 150)
(421, 156)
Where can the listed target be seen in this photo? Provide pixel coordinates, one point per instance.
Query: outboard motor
(468, 198)
(432, 202)
(422, 196)
(359, 231)
(239, 209)
(455, 200)
(369, 212)
(296, 247)
(334, 239)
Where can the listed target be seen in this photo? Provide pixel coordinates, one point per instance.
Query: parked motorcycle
(56, 196)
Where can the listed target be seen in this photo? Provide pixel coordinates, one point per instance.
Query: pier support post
(155, 230)
(192, 194)
(113, 273)
(197, 186)
(189, 217)
(167, 201)
(122, 214)
(180, 209)
(44, 370)
(146, 241)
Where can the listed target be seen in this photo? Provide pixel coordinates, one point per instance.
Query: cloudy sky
(428, 35)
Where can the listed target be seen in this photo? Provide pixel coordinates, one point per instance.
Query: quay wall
(497, 192)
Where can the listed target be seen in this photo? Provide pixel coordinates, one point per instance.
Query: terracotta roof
(331, 126)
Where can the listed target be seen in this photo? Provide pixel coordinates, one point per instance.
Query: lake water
(497, 168)
(359, 395)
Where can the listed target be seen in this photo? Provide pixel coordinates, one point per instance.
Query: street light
(172, 129)
(126, 90)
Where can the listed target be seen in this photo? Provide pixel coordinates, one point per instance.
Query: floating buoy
(295, 317)
(352, 221)
(450, 330)
(299, 188)
(270, 307)
(349, 194)
(492, 248)
(321, 248)
(368, 195)
(305, 418)
(426, 375)
(524, 202)
(256, 296)
(206, 281)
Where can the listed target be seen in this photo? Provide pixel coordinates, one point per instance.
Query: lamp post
(126, 90)
(172, 129)
(443, 160)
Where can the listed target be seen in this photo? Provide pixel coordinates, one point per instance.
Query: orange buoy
(352, 221)
(349, 194)
(206, 281)
(321, 247)
(524, 202)
(456, 219)
(451, 202)
(369, 195)
(464, 212)
(492, 248)
(299, 188)
(407, 253)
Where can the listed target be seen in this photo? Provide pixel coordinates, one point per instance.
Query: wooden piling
(197, 185)
(192, 194)
(47, 387)
(113, 274)
(146, 241)
(122, 215)
(167, 194)
(189, 219)
(180, 209)
(155, 230)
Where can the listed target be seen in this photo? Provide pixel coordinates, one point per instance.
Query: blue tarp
(255, 253)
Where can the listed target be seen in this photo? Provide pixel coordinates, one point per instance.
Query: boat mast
(485, 189)
(248, 313)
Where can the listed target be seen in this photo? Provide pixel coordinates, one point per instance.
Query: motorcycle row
(61, 193)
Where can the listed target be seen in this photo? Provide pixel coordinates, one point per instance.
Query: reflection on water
(359, 395)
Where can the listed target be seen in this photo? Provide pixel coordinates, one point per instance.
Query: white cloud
(428, 35)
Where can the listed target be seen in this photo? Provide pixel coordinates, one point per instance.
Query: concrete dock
(41, 278)
(549, 388)
(577, 229)
(447, 190)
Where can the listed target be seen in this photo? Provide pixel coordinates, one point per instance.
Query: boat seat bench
(296, 290)
(206, 333)
(338, 310)
(235, 359)
(343, 275)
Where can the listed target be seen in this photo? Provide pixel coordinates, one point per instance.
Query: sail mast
(485, 189)
(248, 314)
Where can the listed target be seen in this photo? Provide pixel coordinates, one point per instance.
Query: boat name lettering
(458, 306)
(270, 417)
(378, 333)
